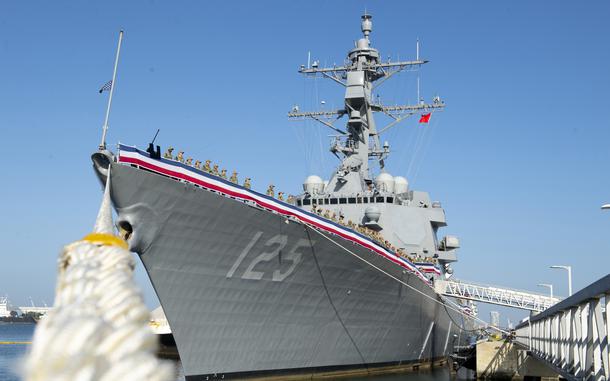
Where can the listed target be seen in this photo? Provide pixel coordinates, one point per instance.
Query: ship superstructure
(336, 279)
(384, 207)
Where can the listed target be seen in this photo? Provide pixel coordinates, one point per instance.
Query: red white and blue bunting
(183, 172)
(428, 268)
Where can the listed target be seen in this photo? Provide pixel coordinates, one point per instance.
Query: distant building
(5, 308)
(494, 319)
(32, 309)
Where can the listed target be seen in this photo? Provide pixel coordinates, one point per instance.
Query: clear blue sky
(519, 159)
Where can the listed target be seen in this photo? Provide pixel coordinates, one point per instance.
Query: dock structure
(495, 295)
(6, 308)
(33, 309)
(571, 337)
(504, 360)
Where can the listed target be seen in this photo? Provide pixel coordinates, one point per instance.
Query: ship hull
(249, 292)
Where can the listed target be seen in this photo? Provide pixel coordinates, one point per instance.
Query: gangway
(495, 295)
(572, 336)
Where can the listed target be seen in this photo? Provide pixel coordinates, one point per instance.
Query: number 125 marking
(276, 244)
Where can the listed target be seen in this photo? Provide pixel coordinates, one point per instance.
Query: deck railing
(572, 336)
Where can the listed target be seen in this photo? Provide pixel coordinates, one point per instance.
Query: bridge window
(351, 200)
(299, 203)
(320, 201)
(342, 200)
(325, 201)
(365, 200)
(306, 201)
(333, 201)
(359, 200)
(379, 199)
(390, 200)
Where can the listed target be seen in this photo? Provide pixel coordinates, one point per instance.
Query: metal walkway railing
(572, 336)
(495, 295)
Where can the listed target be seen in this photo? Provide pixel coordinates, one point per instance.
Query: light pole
(549, 286)
(569, 269)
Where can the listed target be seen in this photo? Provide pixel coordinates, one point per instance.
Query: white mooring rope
(98, 326)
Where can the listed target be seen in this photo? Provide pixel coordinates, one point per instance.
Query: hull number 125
(275, 250)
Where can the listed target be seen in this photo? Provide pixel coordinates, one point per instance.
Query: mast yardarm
(359, 141)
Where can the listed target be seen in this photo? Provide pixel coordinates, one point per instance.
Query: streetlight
(550, 287)
(569, 269)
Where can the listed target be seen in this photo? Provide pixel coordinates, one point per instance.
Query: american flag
(106, 86)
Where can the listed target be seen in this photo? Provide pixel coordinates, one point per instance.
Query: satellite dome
(385, 182)
(313, 185)
(363, 43)
(372, 214)
(401, 185)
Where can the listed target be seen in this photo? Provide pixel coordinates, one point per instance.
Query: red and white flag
(425, 118)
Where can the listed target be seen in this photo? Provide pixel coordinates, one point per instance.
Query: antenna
(309, 60)
(116, 64)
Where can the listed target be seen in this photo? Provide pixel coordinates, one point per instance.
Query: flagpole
(116, 64)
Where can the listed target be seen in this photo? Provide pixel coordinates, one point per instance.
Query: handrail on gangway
(502, 296)
(572, 336)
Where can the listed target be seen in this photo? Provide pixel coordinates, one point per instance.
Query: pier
(567, 338)
(571, 337)
(506, 360)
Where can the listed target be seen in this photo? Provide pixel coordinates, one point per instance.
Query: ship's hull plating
(247, 291)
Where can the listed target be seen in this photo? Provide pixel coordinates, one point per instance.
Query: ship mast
(359, 142)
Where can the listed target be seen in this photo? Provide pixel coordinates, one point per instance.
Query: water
(438, 374)
(10, 355)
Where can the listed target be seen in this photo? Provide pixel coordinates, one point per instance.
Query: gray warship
(338, 278)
